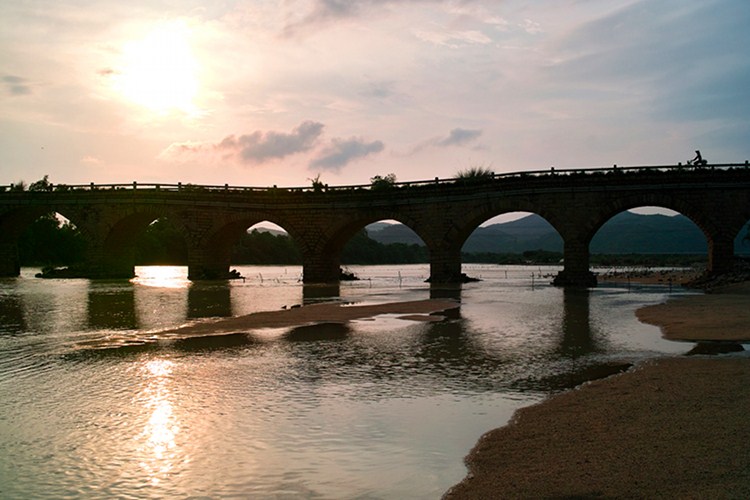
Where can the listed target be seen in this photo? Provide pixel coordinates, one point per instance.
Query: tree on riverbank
(49, 241)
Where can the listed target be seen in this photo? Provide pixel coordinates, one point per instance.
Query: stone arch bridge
(322, 219)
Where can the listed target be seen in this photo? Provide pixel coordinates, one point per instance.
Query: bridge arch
(14, 223)
(479, 215)
(740, 226)
(210, 255)
(653, 231)
(446, 260)
(442, 213)
(617, 205)
(322, 258)
(116, 255)
(718, 229)
(742, 241)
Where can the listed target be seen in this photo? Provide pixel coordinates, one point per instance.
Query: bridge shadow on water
(112, 308)
(209, 300)
(12, 319)
(451, 349)
(316, 293)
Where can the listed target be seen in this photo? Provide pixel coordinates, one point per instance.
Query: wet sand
(670, 428)
(648, 277)
(330, 312)
(718, 316)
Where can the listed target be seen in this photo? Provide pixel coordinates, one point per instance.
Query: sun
(159, 71)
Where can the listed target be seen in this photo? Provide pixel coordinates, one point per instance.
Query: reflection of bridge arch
(443, 214)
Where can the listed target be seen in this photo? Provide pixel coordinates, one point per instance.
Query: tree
(317, 184)
(42, 184)
(380, 182)
(48, 241)
(161, 243)
(475, 173)
(361, 249)
(265, 248)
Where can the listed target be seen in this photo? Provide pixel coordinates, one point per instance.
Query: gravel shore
(670, 428)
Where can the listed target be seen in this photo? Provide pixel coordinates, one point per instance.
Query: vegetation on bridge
(474, 177)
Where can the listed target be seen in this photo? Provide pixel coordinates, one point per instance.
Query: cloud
(531, 27)
(454, 39)
(256, 148)
(681, 67)
(260, 147)
(379, 90)
(16, 85)
(343, 151)
(326, 11)
(182, 150)
(91, 160)
(459, 137)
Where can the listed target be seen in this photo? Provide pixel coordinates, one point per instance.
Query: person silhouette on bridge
(698, 160)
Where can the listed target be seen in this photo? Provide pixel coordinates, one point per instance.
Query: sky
(262, 92)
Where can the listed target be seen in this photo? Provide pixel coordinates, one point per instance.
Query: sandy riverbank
(717, 316)
(650, 277)
(671, 428)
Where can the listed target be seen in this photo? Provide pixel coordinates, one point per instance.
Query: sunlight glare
(159, 71)
(162, 427)
(161, 276)
(159, 367)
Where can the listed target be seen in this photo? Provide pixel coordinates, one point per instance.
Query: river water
(381, 408)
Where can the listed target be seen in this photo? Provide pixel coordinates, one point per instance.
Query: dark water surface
(383, 408)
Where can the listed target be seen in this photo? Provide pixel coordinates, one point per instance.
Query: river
(382, 408)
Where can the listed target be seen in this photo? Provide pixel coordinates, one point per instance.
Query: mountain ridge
(625, 233)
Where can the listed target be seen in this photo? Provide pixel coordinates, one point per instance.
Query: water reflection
(318, 332)
(53, 306)
(158, 448)
(11, 314)
(162, 276)
(450, 343)
(445, 291)
(112, 307)
(214, 342)
(578, 338)
(381, 408)
(320, 292)
(158, 308)
(209, 300)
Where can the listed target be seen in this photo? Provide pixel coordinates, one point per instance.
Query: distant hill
(625, 233)
(633, 233)
(262, 229)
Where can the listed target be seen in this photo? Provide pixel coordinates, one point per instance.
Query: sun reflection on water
(159, 448)
(161, 276)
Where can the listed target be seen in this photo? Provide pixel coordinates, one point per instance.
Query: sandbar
(720, 316)
(328, 312)
(650, 277)
(668, 428)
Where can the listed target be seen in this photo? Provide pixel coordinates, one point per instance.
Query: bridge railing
(589, 171)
